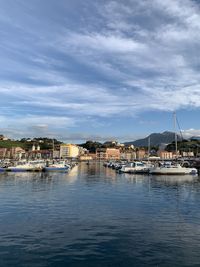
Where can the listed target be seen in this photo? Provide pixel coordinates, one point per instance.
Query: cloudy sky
(99, 69)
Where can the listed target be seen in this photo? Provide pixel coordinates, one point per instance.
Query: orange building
(107, 154)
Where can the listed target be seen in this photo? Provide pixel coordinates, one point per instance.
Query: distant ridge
(156, 139)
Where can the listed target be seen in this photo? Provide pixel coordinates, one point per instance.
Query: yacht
(57, 166)
(136, 167)
(172, 168)
(35, 165)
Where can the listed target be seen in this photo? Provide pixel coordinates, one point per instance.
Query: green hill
(10, 143)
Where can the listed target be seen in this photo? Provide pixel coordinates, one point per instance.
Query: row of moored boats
(36, 165)
(165, 168)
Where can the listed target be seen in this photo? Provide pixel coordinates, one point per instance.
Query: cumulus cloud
(116, 59)
(191, 133)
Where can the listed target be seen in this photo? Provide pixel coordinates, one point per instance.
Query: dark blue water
(95, 217)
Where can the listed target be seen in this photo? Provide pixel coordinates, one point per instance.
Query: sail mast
(175, 133)
(149, 147)
(52, 148)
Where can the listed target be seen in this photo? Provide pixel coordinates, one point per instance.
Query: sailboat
(173, 168)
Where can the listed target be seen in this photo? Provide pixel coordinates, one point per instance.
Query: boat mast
(149, 140)
(175, 133)
(52, 147)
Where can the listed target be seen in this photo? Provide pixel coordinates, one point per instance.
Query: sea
(95, 217)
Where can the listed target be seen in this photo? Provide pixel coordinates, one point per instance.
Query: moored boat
(172, 169)
(135, 167)
(57, 166)
(21, 166)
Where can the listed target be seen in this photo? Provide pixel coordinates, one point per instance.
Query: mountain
(156, 139)
(195, 138)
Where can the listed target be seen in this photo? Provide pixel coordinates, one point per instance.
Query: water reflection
(175, 179)
(93, 216)
(135, 178)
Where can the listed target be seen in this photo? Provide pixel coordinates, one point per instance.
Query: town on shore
(46, 148)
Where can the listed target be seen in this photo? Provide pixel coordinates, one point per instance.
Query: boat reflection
(135, 178)
(175, 179)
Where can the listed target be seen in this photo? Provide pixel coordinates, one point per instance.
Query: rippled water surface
(95, 217)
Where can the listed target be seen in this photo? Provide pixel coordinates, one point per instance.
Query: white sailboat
(170, 168)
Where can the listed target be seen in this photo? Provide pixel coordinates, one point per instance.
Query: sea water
(93, 216)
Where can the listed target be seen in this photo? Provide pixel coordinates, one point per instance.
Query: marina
(36, 166)
(96, 169)
(95, 216)
(156, 167)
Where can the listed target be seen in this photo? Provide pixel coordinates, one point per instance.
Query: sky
(99, 69)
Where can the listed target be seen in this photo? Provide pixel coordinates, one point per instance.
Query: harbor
(99, 134)
(95, 216)
(36, 165)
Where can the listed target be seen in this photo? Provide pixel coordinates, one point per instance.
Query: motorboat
(173, 169)
(136, 167)
(60, 166)
(35, 165)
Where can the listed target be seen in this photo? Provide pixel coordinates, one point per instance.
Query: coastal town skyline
(86, 70)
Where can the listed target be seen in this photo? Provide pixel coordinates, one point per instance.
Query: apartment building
(69, 151)
(108, 154)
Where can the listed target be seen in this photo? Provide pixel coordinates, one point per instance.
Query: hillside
(11, 143)
(44, 143)
(155, 139)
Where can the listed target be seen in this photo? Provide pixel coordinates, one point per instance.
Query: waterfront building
(3, 153)
(188, 154)
(113, 153)
(17, 153)
(128, 155)
(108, 154)
(165, 154)
(141, 154)
(56, 154)
(101, 154)
(69, 151)
(40, 154)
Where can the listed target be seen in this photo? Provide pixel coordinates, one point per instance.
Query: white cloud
(136, 56)
(105, 43)
(190, 133)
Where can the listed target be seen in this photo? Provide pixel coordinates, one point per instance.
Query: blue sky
(80, 70)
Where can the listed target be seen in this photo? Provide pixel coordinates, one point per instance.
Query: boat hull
(56, 169)
(14, 169)
(134, 171)
(173, 171)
